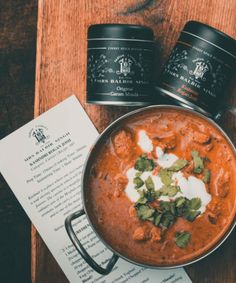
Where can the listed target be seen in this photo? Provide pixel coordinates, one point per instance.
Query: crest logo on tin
(39, 134)
(125, 66)
(200, 69)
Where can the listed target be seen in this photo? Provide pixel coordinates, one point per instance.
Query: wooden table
(61, 71)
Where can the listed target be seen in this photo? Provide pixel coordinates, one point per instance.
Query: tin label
(119, 71)
(196, 74)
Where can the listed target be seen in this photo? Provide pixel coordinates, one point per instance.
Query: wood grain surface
(61, 71)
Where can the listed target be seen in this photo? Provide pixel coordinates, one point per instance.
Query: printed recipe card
(42, 162)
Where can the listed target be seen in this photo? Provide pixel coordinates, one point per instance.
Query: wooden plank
(61, 71)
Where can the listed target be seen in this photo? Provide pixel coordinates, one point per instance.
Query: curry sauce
(161, 190)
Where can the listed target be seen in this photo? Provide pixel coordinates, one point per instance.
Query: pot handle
(81, 250)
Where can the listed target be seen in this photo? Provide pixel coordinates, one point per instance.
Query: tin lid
(212, 36)
(120, 31)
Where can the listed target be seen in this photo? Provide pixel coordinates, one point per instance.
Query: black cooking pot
(99, 142)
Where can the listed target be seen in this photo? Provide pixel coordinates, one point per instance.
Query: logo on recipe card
(39, 134)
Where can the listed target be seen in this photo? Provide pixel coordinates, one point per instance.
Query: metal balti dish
(90, 159)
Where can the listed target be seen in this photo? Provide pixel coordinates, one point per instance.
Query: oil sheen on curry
(161, 190)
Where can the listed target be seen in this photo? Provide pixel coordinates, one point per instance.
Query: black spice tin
(200, 68)
(120, 64)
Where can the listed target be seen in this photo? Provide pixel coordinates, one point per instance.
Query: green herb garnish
(198, 162)
(166, 176)
(138, 174)
(167, 219)
(143, 163)
(170, 191)
(165, 205)
(164, 213)
(138, 182)
(145, 212)
(191, 215)
(206, 176)
(149, 183)
(168, 206)
(178, 165)
(173, 190)
(157, 219)
(195, 203)
(179, 202)
(182, 239)
(152, 195)
(188, 209)
(181, 207)
(142, 199)
(147, 196)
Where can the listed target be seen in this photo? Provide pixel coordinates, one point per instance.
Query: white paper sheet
(42, 163)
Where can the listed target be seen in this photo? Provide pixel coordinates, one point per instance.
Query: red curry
(160, 228)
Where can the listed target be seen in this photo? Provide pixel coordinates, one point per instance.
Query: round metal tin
(200, 68)
(120, 65)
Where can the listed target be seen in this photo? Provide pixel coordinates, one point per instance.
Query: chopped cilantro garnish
(166, 176)
(170, 191)
(178, 165)
(138, 174)
(195, 203)
(167, 211)
(142, 199)
(138, 182)
(206, 176)
(143, 163)
(157, 219)
(167, 219)
(182, 239)
(161, 213)
(149, 183)
(198, 162)
(145, 212)
(168, 206)
(188, 209)
(180, 202)
(191, 215)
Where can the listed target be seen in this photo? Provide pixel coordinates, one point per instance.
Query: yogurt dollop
(144, 142)
(165, 160)
(191, 187)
